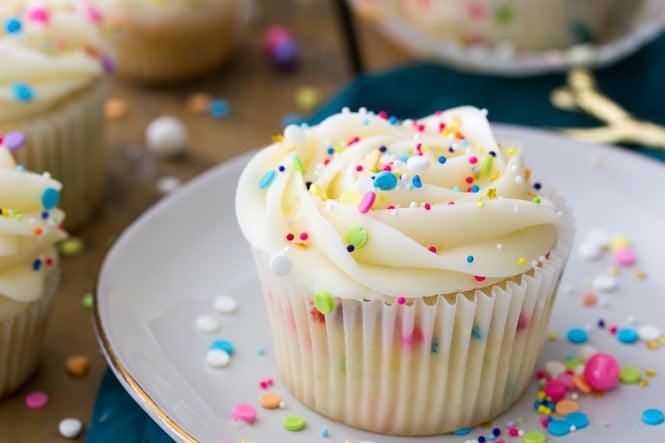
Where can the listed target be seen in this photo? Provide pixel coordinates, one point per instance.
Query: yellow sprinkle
(317, 190)
(618, 242)
(495, 175)
(277, 138)
(643, 383)
(481, 204)
(512, 151)
(350, 197)
(651, 372)
(541, 395)
(544, 410)
(552, 336)
(614, 270)
(653, 345)
(521, 261)
(491, 193)
(640, 275)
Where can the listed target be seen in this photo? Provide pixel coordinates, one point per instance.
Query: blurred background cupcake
(501, 31)
(164, 41)
(53, 83)
(30, 226)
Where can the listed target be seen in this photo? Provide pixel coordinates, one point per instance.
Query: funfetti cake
(30, 226)
(409, 268)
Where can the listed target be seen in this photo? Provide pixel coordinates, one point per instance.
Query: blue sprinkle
(577, 335)
(330, 150)
(383, 149)
(219, 108)
(385, 181)
(475, 188)
(22, 92)
(222, 345)
(417, 183)
(469, 258)
(260, 351)
(392, 120)
(627, 335)
(50, 198)
(652, 416)
(403, 157)
(577, 419)
(558, 427)
(13, 25)
(325, 433)
(442, 159)
(37, 264)
(462, 431)
(481, 439)
(267, 179)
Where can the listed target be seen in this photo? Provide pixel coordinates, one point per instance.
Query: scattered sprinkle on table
(534, 437)
(207, 324)
(115, 108)
(294, 423)
(244, 412)
(577, 335)
(217, 358)
(70, 428)
(652, 416)
(270, 400)
(88, 300)
(36, 399)
(77, 365)
(225, 304)
(71, 246)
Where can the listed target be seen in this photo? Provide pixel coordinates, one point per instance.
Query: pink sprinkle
(359, 168)
(387, 168)
(427, 206)
(367, 202)
(555, 390)
(473, 159)
(303, 236)
(38, 15)
(479, 277)
(93, 13)
(451, 202)
(263, 384)
(383, 114)
(355, 139)
(419, 148)
(36, 399)
(391, 207)
(432, 249)
(244, 412)
(401, 300)
(513, 432)
(624, 257)
(544, 422)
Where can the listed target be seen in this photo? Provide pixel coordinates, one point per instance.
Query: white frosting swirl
(49, 50)
(29, 228)
(452, 210)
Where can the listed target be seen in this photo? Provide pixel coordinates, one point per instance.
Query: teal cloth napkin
(414, 91)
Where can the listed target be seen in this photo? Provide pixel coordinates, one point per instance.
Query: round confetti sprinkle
(13, 25)
(50, 198)
(356, 236)
(280, 265)
(166, 136)
(77, 365)
(652, 416)
(14, 140)
(554, 368)
(219, 108)
(217, 358)
(36, 399)
(115, 108)
(294, 423)
(578, 419)
(324, 302)
(244, 412)
(270, 401)
(307, 98)
(207, 324)
(604, 282)
(198, 103)
(627, 335)
(534, 437)
(22, 93)
(577, 335)
(630, 374)
(566, 407)
(558, 427)
(385, 181)
(649, 332)
(463, 431)
(168, 184)
(225, 304)
(223, 345)
(70, 427)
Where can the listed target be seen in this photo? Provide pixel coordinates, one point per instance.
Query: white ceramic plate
(168, 267)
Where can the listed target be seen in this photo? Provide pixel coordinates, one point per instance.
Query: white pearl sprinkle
(70, 427)
(225, 304)
(217, 358)
(207, 324)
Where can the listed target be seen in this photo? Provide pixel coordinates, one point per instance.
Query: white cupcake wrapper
(68, 142)
(22, 337)
(414, 369)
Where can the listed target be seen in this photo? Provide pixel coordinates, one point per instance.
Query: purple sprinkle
(14, 140)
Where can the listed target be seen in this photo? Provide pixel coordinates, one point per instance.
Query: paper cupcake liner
(22, 337)
(68, 142)
(192, 46)
(414, 369)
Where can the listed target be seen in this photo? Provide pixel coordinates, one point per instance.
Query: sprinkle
(427, 206)
(442, 159)
(115, 108)
(324, 302)
(270, 400)
(366, 203)
(566, 407)
(558, 427)
(219, 108)
(486, 165)
(627, 335)
(649, 332)
(50, 198)
(77, 365)
(652, 417)
(88, 300)
(385, 181)
(294, 423)
(223, 345)
(244, 412)
(578, 419)
(217, 358)
(469, 258)
(71, 246)
(198, 103)
(267, 179)
(13, 25)
(36, 399)
(318, 191)
(356, 236)
(401, 300)
(307, 98)
(280, 265)
(70, 428)
(577, 335)
(36, 264)
(416, 182)
(624, 256)
(417, 163)
(297, 162)
(521, 261)
(14, 140)
(294, 134)
(629, 374)
(166, 136)
(303, 236)
(534, 437)
(207, 324)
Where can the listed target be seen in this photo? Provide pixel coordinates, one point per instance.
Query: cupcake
(53, 79)
(30, 226)
(163, 41)
(409, 268)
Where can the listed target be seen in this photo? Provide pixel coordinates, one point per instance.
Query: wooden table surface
(260, 96)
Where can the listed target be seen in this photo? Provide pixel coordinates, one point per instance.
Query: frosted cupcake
(409, 269)
(53, 84)
(30, 226)
(162, 41)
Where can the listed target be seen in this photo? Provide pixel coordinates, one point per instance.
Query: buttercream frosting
(30, 226)
(363, 206)
(49, 50)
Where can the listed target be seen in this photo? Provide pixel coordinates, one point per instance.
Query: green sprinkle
(537, 200)
(298, 164)
(324, 302)
(486, 165)
(572, 363)
(630, 374)
(357, 236)
(294, 423)
(534, 437)
(88, 300)
(71, 246)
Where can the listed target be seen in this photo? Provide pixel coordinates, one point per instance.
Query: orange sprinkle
(198, 103)
(115, 108)
(589, 299)
(581, 383)
(270, 401)
(38, 230)
(565, 407)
